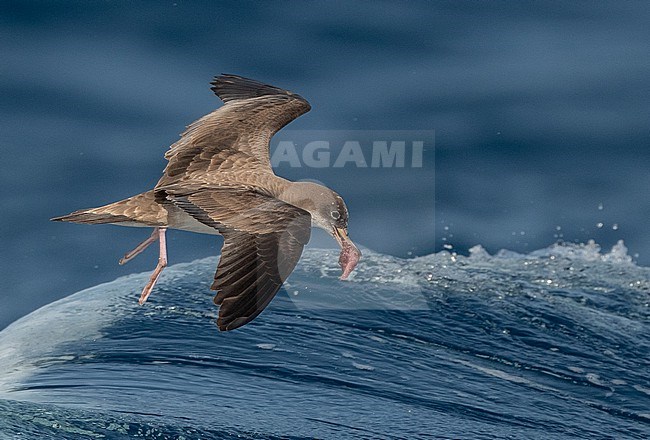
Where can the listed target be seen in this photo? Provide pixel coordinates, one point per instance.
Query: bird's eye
(335, 215)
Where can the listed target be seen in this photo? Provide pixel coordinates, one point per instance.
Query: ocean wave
(552, 343)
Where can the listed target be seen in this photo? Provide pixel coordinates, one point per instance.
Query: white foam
(364, 367)
(389, 283)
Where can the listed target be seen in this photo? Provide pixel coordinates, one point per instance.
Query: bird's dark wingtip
(232, 324)
(229, 87)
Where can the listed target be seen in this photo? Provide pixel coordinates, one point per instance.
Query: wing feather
(263, 241)
(235, 137)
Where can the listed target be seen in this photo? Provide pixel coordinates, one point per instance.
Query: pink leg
(139, 248)
(162, 263)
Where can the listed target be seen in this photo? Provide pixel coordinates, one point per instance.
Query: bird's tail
(89, 216)
(141, 208)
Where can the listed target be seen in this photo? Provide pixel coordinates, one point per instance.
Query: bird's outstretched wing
(264, 238)
(233, 137)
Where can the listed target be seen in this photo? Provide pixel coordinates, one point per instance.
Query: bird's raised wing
(264, 238)
(233, 137)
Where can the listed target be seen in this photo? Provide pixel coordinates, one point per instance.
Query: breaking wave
(550, 344)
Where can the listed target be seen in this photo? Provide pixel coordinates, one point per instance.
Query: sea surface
(537, 124)
(551, 344)
(540, 113)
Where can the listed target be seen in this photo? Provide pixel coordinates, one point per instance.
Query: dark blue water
(553, 344)
(540, 112)
(541, 120)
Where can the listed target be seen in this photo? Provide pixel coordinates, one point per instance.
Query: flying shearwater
(219, 180)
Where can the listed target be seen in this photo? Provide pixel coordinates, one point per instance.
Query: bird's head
(328, 212)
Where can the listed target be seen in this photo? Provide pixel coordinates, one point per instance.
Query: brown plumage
(219, 180)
